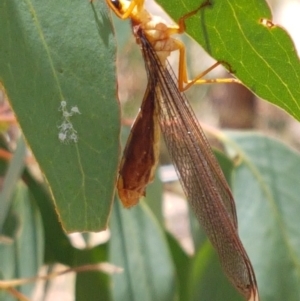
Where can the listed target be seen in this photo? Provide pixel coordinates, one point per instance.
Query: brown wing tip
(129, 198)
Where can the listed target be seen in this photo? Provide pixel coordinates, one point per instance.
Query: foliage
(53, 51)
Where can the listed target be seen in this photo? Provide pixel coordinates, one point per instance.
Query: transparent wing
(201, 177)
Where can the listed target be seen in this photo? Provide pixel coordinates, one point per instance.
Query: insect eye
(116, 4)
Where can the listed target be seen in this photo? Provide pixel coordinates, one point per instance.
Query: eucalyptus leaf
(57, 67)
(241, 35)
(266, 189)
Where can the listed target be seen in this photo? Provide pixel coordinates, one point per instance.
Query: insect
(66, 130)
(166, 109)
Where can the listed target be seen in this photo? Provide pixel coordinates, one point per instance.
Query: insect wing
(201, 177)
(141, 153)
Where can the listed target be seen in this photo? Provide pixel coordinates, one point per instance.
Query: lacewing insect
(166, 109)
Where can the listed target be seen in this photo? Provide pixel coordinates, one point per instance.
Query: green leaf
(154, 196)
(266, 190)
(263, 58)
(207, 280)
(54, 51)
(182, 263)
(226, 164)
(138, 245)
(92, 285)
(22, 256)
(15, 168)
(198, 235)
(57, 245)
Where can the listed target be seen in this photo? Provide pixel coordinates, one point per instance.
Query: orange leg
(125, 10)
(183, 82)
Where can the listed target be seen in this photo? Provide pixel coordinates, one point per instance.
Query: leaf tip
(254, 295)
